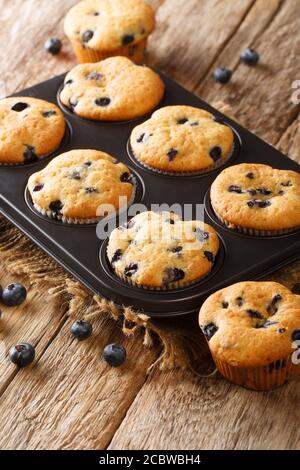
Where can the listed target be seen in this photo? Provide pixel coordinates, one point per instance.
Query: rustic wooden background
(70, 399)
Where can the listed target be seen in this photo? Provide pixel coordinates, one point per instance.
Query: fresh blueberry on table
(22, 354)
(81, 329)
(222, 75)
(114, 354)
(53, 46)
(250, 56)
(14, 294)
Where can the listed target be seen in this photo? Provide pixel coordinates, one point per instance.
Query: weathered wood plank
(261, 96)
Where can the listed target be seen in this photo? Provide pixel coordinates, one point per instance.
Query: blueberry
(272, 308)
(75, 175)
(182, 121)
(225, 304)
(87, 35)
(209, 330)
(172, 154)
(250, 56)
(127, 39)
(69, 82)
(81, 329)
(53, 46)
(215, 153)
(29, 154)
(22, 354)
(91, 190)
(281, 330)
(94, 76)
(258, 203)
(173, 275)
(117, 256)
(255, 314)
(177, 249)
(56, 206)
(130, 269)
(252, 192)
(264, 191)
(18, 107)
(102, 101)
(196, 123)
(114, 354)
(239, 301)
(38, 187)
(126, 178)
(47, 114)
(286, 184)
(140, 138)
(14, 294)
(222, 75)
(87, 164)
(209, 256)
(201, 235)
(280, 193)
(235, 189)
(250, 175)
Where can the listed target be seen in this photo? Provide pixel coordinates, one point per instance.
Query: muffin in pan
(99, 29)
(112, 90)
(30, 129)
(160, 251)
(253, 331)
(180, 140)
(81, 186)
(257, 199)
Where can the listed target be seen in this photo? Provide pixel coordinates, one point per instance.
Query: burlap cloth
(182, 344)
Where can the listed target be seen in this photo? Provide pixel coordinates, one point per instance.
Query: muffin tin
(79, 251)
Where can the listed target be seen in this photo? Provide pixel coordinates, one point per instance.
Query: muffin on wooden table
(251, 328)
(99, 29)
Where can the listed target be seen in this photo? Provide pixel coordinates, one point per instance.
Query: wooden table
(70, 399)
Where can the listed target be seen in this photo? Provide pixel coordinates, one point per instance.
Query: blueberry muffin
(257, 199)
(99, 29)
(29, 129)
(161, 251)
(250, 328)
(112, 90)
(181, 139)
(81, 186)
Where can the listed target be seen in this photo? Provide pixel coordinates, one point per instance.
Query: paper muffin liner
(265, 377)
(82, 221)
(252, 231)
(134, 52)
(208, 169)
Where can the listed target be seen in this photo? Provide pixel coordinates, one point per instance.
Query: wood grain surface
(70, 399)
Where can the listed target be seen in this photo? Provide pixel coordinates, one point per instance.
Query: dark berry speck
(47, 114)
(182, 121)
(114, 354)
(53, 46)
(209, 330)
(255, 314)
(22, 354)
(172, 154)
(250, 175)
(222, 75)
(38, 187)
(281, 330)
(103, 102)
(225, 304)
(56, 206)
(209, 256)
(173, 275)
(91, 190)
(215, 153)
(126, 178)
(130, 269)
(117, 256)
(18, 107)
(29, 154)
(127, 39)
(14, 294)
(87, 35)
(239, 301)
(235, 189)
(81, 329)
(140, 138)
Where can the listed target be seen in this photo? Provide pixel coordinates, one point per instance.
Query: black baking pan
(80, 252)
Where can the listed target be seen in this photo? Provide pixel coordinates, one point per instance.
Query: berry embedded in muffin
(30, 129)
(250, 328)
(257, 198)
(76, 185)
(181, 139)
(161, 251)
(112, 90)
